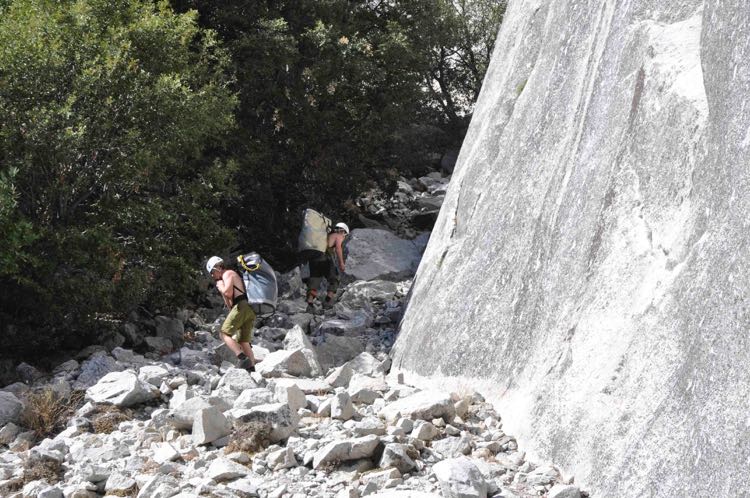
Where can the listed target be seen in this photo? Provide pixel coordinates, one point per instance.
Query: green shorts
(239, 322)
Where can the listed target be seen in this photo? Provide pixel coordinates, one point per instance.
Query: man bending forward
(237, 329)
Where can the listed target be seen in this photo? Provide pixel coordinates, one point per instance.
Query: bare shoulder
(236, 279)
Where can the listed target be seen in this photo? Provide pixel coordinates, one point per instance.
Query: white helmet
(212, 262)
(343, 226)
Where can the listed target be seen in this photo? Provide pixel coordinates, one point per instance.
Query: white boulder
(121, 389)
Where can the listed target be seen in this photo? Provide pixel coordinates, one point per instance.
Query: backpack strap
(240, 297)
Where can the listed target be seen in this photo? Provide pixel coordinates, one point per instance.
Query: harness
(239, 298)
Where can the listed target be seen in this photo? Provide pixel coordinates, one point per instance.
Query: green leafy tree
(17, 232)
(337, 93)
(453, 40)
(107, 112)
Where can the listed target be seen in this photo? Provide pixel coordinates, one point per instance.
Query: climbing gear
(343, 226)
(313, 237)
(212, 262)
(261, 287)
(239, 297)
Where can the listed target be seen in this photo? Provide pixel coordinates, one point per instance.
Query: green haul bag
(313, 238)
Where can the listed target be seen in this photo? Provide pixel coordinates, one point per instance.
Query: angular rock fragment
(209, 425)
(564, 491)
(460, 478)
(342, 451)
(341, 406)
(121, 389)
(223, 469)
(10, 408)
(424, 405)
(280, 363)
(279, 416)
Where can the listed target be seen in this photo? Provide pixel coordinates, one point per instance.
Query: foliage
(46, 412)
(335, 93)
(106, 111)
(107, 418)
(249, 437)
(135, 140)
(17, 232)
(41, 467)
(455, 39)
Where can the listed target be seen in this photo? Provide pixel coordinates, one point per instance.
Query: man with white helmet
(237, 329)
(326, 267)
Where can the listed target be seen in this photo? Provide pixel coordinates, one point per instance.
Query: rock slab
(589, 265)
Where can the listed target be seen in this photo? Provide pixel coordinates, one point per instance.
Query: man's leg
(234, 322)
(312, 294)
(333, 284)
(231, 343)
(246, 334)
(317, 272)
(248, 350)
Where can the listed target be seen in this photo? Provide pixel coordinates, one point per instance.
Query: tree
(337, 93)
(17, 232)
(107, 110)
(455, 39)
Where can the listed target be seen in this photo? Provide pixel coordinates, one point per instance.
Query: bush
(107, 418)
(106, 111)
(249, 438)
(43, 468)
(333, 94)
(47, 413)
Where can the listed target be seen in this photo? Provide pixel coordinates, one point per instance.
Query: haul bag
(260, 283)
(314, 233)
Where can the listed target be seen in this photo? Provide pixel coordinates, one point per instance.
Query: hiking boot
(244, 362)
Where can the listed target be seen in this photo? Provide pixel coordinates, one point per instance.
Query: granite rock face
(379, 254)
(589, 266)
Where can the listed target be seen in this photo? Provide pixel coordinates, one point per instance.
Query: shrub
(47, 413)
(249, 438)
(43, 468)
(107, 418)
(106, 110)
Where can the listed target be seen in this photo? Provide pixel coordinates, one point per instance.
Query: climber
(237, 329)
(329, 266)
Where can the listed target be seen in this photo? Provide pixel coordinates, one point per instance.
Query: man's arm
(340, 253)
(224, 285)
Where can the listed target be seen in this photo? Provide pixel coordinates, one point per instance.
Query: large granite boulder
(170, 328)
(588, 270)
(94, 368)
(10, 408)
(335, 350)
(379, 254)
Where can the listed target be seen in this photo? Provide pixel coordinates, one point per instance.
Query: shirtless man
(237, 329)
(325, 267)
